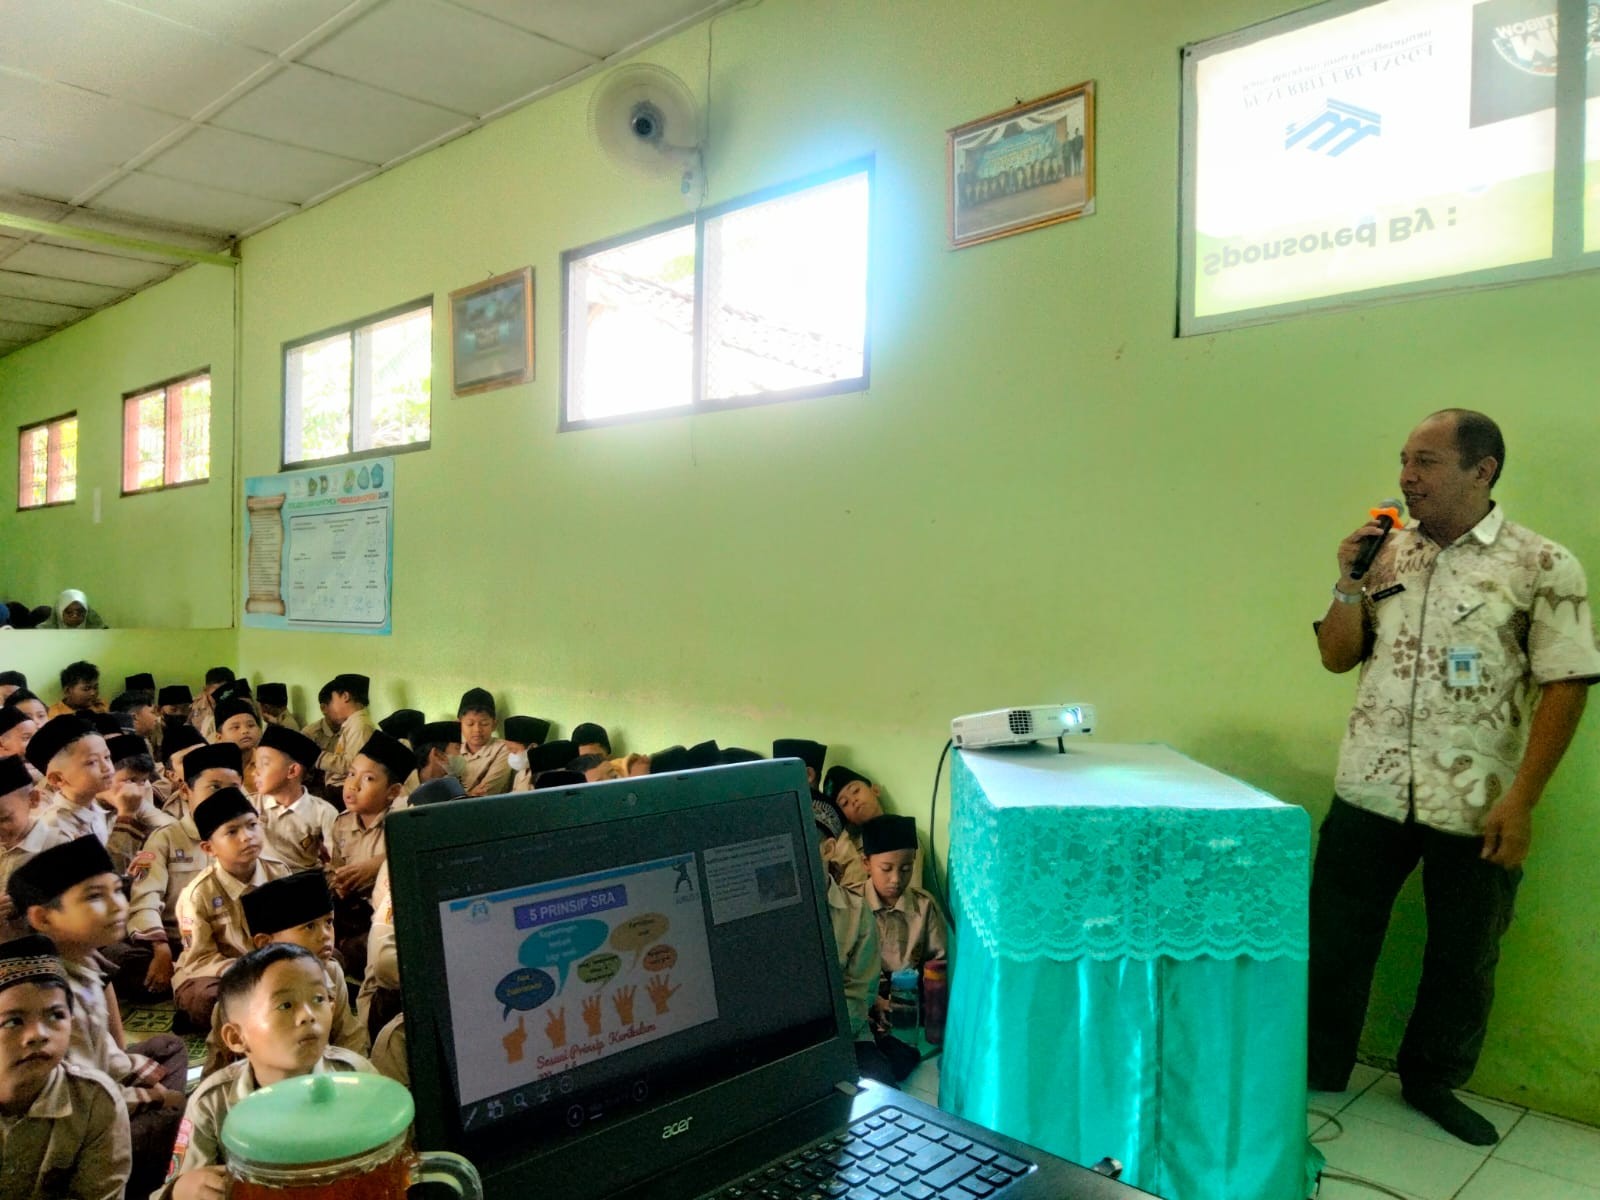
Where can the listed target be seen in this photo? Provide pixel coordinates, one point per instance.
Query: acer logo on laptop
(677, 1127)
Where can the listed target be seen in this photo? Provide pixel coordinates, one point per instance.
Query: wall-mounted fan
(646, 120)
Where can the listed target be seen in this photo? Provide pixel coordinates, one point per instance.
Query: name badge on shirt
(1463, 667)
(1387, 592)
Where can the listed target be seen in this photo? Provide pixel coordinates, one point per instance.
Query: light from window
(780, 310)
(166, 435)
(47, 463)
(364, 388)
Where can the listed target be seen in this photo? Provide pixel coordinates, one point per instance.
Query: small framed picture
(1023, 167)
(491, 332)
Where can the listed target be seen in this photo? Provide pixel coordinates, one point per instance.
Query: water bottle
(903, 1008)
(935, 992)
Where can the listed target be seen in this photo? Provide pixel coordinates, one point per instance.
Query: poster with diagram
(554, 976)
(319, 548)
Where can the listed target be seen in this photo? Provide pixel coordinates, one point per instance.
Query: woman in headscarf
(72, 611)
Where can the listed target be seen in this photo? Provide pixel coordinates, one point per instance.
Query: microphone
(1387, 515)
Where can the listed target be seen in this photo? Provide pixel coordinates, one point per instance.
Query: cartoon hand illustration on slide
(660, 993)
(622, 999)
(555, 1028)
(514, 1041)
(591, 1015)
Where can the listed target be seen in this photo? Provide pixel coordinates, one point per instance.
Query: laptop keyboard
(889, 1155)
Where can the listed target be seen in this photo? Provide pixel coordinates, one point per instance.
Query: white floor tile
(1361, 1078)
(1383, 1103)
(1507, 1181)
(1554, 1147)
(1418, 1166)
(924, 1081)
(1341, 1189)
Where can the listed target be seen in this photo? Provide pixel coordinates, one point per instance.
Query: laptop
(631, 989)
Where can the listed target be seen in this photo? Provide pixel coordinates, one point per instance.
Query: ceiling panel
(62, 291)
(600, 29)
(121, 52)
(396, 47)
(310, 108)
(202, 207)
(255, 165)
(80, 122)
(86, 266)
(270, 25)
(38, 312)
(21, 331)
(154, 231)
(46, 170)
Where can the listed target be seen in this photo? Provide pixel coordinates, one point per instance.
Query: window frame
(22, 431)
(1567, 256)
(698, 403)
(357, 373)
(165, 387)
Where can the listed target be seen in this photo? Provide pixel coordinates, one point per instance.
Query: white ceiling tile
(31, 206)
(78, 121)
(37, 312)
(191, 204)
(22, 330)
(396, 47)
(270, 25)
(600, 29)
(61, 291)
(45, 170)
(309, 108)
(123, 53)
(254, 165)
(86, 266)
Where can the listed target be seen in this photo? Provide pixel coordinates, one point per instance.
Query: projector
(1019, 726)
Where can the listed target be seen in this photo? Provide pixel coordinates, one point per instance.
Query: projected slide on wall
(1406, 141)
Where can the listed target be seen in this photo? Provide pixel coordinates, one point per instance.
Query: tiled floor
(1375, 1136)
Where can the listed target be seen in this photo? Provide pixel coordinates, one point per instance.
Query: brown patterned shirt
(1460, 639)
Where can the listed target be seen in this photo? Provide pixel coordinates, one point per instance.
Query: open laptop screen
(598, 954)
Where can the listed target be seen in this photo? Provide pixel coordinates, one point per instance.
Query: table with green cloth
(1129, 973)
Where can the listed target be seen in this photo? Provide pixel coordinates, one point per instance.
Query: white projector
(1019, 726)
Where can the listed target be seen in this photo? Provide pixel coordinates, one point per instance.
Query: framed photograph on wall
(491, 332)
(1023, 167)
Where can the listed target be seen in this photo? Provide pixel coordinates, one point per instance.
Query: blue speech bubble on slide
(524, 989)
(559, 946)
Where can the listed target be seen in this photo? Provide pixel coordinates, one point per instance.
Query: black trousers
(1362, 861)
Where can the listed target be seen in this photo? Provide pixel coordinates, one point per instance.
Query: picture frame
(1022, 168)
(491, 333)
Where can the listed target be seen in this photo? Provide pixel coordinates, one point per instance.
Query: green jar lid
(317, 1118)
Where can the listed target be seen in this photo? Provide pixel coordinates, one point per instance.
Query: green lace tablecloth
(1130, 973)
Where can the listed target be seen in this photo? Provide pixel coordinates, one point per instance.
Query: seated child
(141, 707)
(174, 700)
(132, 796)
(812, 754)
(347, 705)
(403, 724)
(858, 800)
(22, 835)
(551, 756)
(202, 713)
(299, 826)
(437, 745)
(374, 783)
(597, 767)
(11, 681)
(171, 859)
(324, 731)
(76, 767)
(274, 701)
(65, 1128)
(175, 743)
(856, 936)
(523, 734)
(210, 912)
(29, 704)
(277, 1013)
(487, 771)
(71, 894)
(590, 738)
(297, 909)
(237, 723)
(911, 929)
(80, 690)
(15, 730)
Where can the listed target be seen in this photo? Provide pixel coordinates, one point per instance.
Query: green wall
(1045, 495)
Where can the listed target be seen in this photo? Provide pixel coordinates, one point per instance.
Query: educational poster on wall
(1404, 141)
(319, 548)
(546, 978)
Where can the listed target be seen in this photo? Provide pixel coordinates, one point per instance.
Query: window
(764, 298)
(1366, 150)
(166, 435)
(360, 389)
(47, 463)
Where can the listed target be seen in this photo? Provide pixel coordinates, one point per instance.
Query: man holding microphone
(1476, 649)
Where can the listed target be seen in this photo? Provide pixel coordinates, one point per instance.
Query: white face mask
(456, 765)
(517, 762)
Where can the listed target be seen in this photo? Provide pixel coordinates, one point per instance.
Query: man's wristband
(1346, 597)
